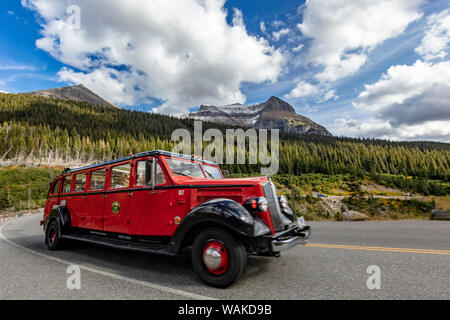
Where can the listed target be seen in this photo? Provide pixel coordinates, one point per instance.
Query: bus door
(118, 199)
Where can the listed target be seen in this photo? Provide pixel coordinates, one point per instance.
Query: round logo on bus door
(115, 207)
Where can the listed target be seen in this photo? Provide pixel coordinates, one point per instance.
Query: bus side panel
(152, 213)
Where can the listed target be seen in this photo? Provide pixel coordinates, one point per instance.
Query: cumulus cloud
(436, 130)
(302, 89)
(437, 37)
(347, 66)
(402, 83)
(306, 89)
(183, 53)
(344, 31)
(408, 102)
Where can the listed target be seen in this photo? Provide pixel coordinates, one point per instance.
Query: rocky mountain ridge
(272, 114)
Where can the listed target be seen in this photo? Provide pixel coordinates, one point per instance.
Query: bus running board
(119, 244)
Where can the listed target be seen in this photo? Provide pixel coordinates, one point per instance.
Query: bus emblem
(115, 207)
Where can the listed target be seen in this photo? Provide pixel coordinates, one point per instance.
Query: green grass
(392, 209)
(17, 183)
(426, 187)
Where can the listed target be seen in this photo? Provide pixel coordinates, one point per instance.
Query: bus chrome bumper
(299, 237)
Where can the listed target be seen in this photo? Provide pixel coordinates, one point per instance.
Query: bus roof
(139, 155)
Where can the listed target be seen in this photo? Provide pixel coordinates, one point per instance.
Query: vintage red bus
(161, 202)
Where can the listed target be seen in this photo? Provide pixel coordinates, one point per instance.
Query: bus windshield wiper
(209, 174)
(180, 173)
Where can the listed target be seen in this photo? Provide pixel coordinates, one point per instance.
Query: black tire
(53, 236)
(236, 254)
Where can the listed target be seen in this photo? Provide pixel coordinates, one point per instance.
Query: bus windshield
(192, 169)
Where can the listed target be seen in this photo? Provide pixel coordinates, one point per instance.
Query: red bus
(161, 202)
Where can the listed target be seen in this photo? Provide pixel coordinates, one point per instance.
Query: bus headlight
(257, 204)
(301, 222)
(283, 202)
(262, 204)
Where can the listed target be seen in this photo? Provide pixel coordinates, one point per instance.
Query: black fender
(62, 216)
(225, 212)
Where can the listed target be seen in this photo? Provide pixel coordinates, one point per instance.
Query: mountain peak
(272, 114)
(274, 99)
(276, 104)
(78, 93)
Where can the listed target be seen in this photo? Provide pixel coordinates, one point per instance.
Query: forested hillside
(36, 128)
(49, 134)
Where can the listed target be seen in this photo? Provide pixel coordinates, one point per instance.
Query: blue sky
(338, 69)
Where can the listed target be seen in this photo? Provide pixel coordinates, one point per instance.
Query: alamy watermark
(238, 143)
(74, 280)
(374, 281)
(74, 18)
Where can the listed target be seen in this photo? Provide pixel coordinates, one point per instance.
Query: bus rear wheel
(53, 236)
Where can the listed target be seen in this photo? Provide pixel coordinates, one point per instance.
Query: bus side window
(120, 176)
(97, 180)
(67, 184)
(55, 189)
(143, 173)
(80, 182)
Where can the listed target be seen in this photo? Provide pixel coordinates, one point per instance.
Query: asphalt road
(413, 257)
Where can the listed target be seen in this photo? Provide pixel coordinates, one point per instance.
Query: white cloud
(370, 128)
(262, 27)
(403, 82)
(344, 31)
(303, 89)
(107, 82)
(16, 67)
(331, 94)
(347, 66)
(306, 89)
(298, 48)
(437, 37)
(277, 24)
(184, 52)
(277, 35)
(408, 102)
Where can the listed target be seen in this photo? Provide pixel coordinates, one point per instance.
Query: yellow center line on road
(385, 249)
